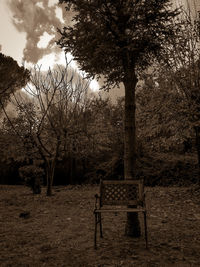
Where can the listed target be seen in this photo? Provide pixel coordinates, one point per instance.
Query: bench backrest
(123, 192)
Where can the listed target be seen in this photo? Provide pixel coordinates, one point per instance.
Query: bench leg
(145, 229)
(100, 225)
(95, 231)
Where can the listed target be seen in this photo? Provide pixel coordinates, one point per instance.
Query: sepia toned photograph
(100, 133)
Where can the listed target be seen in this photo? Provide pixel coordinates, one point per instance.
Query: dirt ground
(60, 229)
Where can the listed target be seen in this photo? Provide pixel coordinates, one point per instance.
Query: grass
(60, 229)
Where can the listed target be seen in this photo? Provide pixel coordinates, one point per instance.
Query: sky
(28, 31)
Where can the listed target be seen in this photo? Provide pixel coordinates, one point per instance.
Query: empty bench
(119, 196)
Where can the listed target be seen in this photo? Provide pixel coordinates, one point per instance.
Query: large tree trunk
(130, 81)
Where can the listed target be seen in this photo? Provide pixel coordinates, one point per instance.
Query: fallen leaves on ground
(59, 230)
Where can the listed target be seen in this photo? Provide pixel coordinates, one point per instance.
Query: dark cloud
(35, 17)
(0, 47)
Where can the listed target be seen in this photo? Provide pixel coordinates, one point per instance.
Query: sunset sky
(28, 31)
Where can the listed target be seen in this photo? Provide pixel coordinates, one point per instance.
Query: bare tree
(55, 101)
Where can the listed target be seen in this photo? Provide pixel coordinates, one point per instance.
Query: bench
(119, 196)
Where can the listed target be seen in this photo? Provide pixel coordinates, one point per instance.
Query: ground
(60, 229)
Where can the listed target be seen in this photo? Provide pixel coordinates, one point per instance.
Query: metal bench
(119, 196)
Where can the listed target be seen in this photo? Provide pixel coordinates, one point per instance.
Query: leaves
(110, 37)
(162, 117)
(181, 64)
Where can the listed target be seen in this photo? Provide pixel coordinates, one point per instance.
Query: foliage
(181, 64)
(97, 151)
(118, 35)
(106, 132)
(168, 169)
(32, 176)
(12, 77)
(162, 119)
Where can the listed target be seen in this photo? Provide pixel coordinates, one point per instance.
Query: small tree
(118, 39)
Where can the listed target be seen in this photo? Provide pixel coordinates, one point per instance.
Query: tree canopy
(12, 77)
(107, 37)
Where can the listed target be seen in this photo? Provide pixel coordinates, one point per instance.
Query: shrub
(32, 175)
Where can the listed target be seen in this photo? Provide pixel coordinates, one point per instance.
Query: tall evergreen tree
(118, 39)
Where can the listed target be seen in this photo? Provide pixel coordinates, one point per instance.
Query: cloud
(39, 19)
(53, 2)
(44, 40)
(36, 17)
(0, 47)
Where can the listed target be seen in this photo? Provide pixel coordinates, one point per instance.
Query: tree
(12, 77)
(118, 39)
(181, 64)
(162, 120)
(48, 116)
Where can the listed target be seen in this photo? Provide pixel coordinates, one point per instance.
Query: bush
(168, 169)
(157, 169)
(32, 177)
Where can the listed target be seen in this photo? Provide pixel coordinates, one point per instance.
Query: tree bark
(132, 224)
